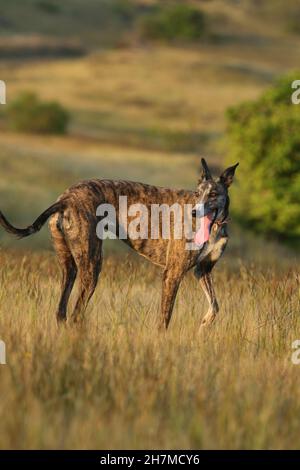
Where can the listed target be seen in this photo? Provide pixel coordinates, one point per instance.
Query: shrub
(124, 10)
(173, 22)
(28, 114)
(49, 7)
(264, 136)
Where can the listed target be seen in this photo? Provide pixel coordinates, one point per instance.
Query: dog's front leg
(207, 285)
(170, 285)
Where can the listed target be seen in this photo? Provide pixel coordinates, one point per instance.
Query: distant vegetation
(114, 23)
(264, 136)
(173, 22)
(48, 6)
(29, 114)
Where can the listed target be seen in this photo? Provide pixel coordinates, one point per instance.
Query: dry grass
(119, 384)
(158, 98)
(162, 87)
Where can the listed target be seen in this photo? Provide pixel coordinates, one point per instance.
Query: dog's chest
(212, 251)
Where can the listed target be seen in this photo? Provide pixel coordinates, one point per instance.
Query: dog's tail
(37, 224)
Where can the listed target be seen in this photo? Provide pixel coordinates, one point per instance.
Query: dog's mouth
(207, 221)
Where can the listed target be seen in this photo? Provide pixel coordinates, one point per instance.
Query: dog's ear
(205, 173)
(226, 177)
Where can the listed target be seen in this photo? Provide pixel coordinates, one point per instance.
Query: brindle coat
(73, 228)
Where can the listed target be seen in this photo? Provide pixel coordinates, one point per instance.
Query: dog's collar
(223, 222)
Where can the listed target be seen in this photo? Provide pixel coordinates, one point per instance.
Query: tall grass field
(119, 383)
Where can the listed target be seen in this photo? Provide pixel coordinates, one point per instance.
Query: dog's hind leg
(68, 265)
(69, 276)
(88, 260)
(88, 271)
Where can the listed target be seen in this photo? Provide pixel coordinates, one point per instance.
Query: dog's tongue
(202, 235)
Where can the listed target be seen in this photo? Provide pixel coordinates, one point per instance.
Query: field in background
(171, 99)
(141, 111)
(147, 95)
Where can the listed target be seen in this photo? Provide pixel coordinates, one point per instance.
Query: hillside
(144, 111)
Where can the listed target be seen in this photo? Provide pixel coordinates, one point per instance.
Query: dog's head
(213, 198)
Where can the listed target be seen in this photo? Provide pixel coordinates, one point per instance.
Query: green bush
(173, 22)
(28, 114)
(264, 136)
(49, 7)
(123, 10)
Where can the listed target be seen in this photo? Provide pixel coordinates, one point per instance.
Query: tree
(264, 135)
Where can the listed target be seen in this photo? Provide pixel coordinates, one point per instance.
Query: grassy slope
(158, 97)
(98, 22)
(124, 102)
(152, 93)
(91, 22)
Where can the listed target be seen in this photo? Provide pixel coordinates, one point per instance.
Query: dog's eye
(213, 194)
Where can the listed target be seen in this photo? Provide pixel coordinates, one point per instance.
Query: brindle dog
(73, 228)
